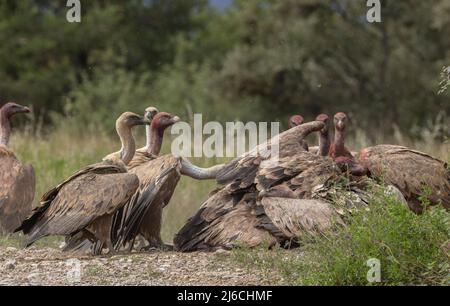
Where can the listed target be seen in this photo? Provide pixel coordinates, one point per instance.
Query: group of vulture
(260, 199)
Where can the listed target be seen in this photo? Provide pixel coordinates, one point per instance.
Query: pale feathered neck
(128, 144)
(5, 129)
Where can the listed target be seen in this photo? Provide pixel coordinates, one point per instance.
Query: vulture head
(150, 113)
(129, 119)
(278, 191)
(326, 120)
(10, 109)
(340, 121)
(295, 121)
(163, 120)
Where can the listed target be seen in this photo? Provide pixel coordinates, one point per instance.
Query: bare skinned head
(10, 109)
(340, 121)
(295, 120)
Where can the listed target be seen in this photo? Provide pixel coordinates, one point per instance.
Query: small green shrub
(410, 249)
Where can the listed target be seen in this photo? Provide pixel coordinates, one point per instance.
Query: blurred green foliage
(255, 60)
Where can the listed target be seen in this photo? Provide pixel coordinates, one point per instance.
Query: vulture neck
(5, 129)
(198, 173)
(155, 137)
(339, 142)
(148, 135)
(324, 143)
(128, 144)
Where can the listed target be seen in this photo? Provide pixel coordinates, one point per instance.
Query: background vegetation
(251, 60)
(258, 60)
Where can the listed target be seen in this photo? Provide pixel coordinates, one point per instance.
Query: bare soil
(50, 266)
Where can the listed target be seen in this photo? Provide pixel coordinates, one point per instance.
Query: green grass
(409, 247)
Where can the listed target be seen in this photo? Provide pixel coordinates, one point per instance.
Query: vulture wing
(17, 187)
(89, 194)
(303, 172)
(158, 179)
(241, 171)
(151, 193)
(295, 217)
(231, 215)
(412, 172)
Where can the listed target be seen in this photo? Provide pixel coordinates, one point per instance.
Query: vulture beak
(26, 109)
(176, 119)
(340, 124)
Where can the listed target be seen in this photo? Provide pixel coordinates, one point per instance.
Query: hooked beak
(26, 110)
(340, 124)
(176, 119)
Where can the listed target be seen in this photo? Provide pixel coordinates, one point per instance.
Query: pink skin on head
(160, 122)
(10, 109)
(6, 112)
(340, 121)
(325, 119)
(295, 121)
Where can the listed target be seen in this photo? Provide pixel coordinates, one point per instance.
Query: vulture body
(83, 204)
(17, 181)
(158, 178)
(414, 173)
(261, 200)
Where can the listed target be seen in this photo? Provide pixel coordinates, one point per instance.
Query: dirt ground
(52, 267)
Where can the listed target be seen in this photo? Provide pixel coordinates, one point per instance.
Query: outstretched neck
(154, 140)
(324, 143)
(339, 142)
(128, 144)
(5, 129)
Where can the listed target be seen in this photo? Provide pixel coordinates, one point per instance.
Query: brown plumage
(158, 178)
(412, 172)
(235, 213)
(296, 217)
(84, 203)
(17, 181)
